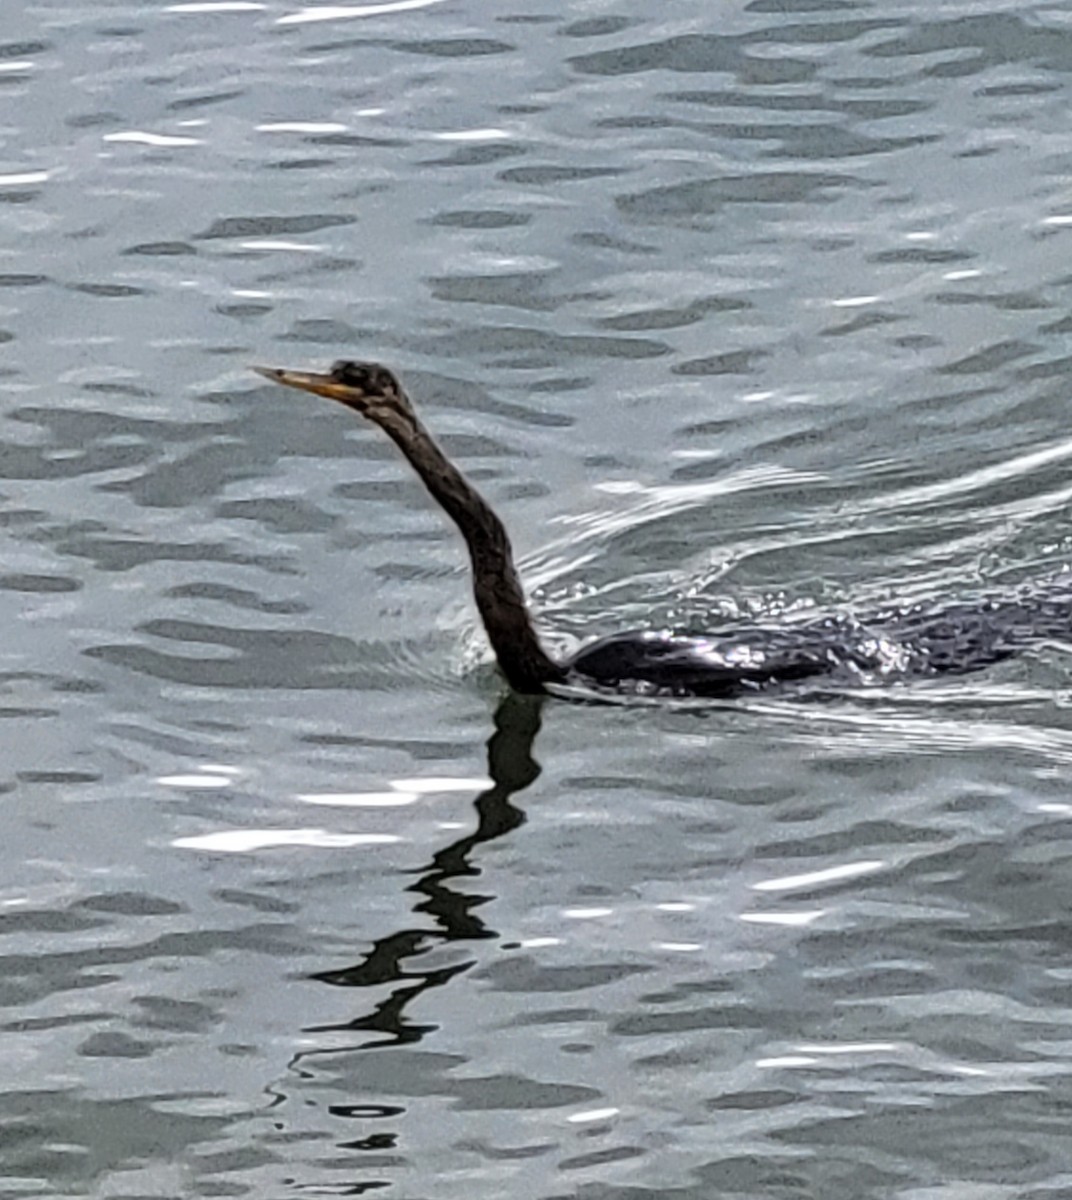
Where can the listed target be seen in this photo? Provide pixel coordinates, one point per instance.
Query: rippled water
(730, 310)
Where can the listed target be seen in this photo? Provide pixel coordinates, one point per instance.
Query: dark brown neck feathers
(496, 586)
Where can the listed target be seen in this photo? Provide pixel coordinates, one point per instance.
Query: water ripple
(730, 319)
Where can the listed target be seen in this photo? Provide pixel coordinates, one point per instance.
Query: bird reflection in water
(390, 961)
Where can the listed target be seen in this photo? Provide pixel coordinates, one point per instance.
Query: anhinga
(892, 644)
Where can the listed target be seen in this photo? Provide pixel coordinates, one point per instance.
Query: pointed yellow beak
(310, 381)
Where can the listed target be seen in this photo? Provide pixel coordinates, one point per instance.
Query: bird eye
(353, 373)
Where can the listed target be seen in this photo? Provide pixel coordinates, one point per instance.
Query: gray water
(732, 311)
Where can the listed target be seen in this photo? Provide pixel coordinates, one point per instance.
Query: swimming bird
(887, 645)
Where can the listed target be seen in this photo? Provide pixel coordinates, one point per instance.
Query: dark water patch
(874, 319)
(619, 245)
(345, 140)
(193, 103)
(24, 713)
(15, 196)
(922, 255)
(597, 1158)
(115, 1045)
(108, 553)
(429, 1074)
(255, 658)
(323, 331)
(674, 318)
(991, 358)
(547, 349)
(597, 27)
(27, 49)
(995, 38)
(481, 219)
(110, 291)
(43, 462)
(523, 974)
(32, 976)
(175, 1016)
(874, 831)
(812, 100)
(244, 312)
(203, 472)
(475, 156)
(732, 362)
(1056, 368)
(256, 901)
(161, 249)
(706, 197)
(1007, 301)
(387, 491)
(45, 584)
(756, 1101)
(290, 515)
(548, 174)
(272, 226)
(103, 1135)
(58, 777)
(524, 291)
(1009, 90)
(93, 120)
(781, 7)
(130, 904)
(467, 446)
(46, 922)
(560, 384)
(467, 47)
(687, 52)
(830, 142)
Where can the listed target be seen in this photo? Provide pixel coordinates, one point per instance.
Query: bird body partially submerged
(895, 644)
(724, 664)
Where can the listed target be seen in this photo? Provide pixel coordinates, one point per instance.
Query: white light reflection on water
(403, 792)
(141, 137)
(217, 6)
(205, 782)
(330, 12)
(359, 799)
(442, 783)
(472, 135)
(815, 879)
(849, 1057)
(244, 841)
(789, 919)
(273, 244)
(593, 1114)
(302, 127)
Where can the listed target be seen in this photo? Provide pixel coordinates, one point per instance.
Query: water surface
(733, 310)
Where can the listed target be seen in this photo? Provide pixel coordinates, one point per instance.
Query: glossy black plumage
(889, 645)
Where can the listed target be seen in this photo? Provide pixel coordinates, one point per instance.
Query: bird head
(367, 387)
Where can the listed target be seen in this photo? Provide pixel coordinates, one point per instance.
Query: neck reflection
(394, 961)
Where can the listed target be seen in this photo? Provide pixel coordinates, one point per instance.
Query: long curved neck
(496, 585)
